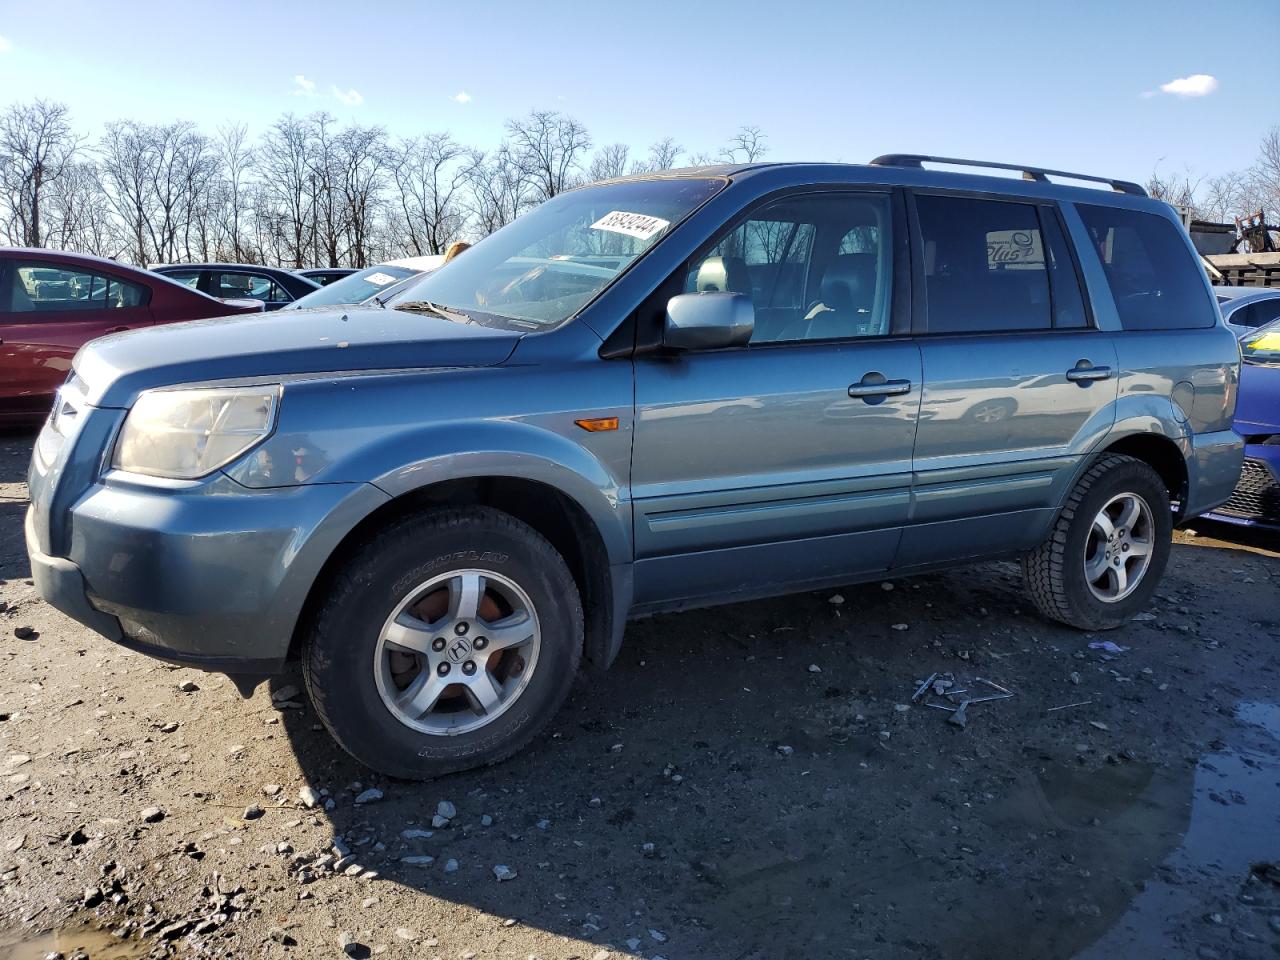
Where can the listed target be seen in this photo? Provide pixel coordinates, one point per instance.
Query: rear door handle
(117, 330)
(879, 387)
(1082, 373)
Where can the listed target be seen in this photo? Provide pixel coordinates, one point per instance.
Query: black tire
(1054, 572)
(338, 657)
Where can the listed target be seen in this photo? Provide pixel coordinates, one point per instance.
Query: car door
(48, 310)
(788, 461)
(1018, 383)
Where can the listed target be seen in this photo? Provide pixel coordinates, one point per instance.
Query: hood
(1258, 404)
(115, 368)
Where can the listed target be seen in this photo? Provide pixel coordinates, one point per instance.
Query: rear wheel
(448, 640)
(1106, 552)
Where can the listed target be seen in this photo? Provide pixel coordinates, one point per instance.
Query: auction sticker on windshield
(380, 279)
(638, 225)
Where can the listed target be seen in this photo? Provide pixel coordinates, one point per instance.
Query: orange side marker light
(598, 424)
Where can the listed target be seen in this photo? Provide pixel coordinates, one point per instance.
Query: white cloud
(5, 44)
(351, 98)
(461, 97)
(1196, 85)
(302, 87)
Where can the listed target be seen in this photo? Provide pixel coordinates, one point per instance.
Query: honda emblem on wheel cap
(460, 649)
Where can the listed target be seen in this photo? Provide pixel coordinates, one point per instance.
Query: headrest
(723, 275)
(850, 282)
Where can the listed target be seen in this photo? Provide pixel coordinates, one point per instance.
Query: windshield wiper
(426, 306)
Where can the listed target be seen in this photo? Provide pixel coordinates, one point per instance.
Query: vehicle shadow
(745, 783)
(15, 455)
(1254, 538)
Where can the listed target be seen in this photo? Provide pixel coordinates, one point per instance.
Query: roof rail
(1028, 173)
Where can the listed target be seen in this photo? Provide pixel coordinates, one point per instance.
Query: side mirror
(707, 321)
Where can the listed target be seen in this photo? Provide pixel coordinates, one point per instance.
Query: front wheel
(447, 642)
(1106, 552)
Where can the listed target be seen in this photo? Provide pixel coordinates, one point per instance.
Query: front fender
(462, 450)
(403, 433)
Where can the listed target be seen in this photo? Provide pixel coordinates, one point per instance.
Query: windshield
(1263, 345)
(356, 288)
(540, 270)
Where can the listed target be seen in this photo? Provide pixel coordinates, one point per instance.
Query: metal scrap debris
(944, 685)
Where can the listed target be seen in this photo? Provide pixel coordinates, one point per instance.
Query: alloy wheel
(457, 651)
(1118, 551)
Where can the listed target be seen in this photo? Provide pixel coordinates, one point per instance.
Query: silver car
(1245, 309)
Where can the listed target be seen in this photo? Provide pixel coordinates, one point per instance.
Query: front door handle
(874, 385)
(1085, 372)
(117, 330)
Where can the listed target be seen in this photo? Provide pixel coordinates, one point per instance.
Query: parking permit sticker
(380, 279)
(638, 225)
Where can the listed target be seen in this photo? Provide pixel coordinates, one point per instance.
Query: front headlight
(185, 434)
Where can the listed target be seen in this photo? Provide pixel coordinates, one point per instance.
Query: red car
(52, 303)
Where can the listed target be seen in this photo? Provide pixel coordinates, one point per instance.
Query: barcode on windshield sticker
(637, 225)
(380, 279)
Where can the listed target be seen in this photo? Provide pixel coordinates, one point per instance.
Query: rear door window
(253, 286)
(1154, 279)
(41, 288)
(984, 265)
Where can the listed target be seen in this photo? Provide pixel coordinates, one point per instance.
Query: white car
(380, 281)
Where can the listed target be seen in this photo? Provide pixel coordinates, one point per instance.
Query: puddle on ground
(1234, 823)
(1112, 862)
(91, 943)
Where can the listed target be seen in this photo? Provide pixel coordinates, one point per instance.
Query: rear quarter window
(1154, 279)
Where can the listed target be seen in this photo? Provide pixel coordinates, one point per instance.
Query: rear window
(1154, 279)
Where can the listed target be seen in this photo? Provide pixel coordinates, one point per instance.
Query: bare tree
(236, 161)
(664, 154)
(362, 157)
(549, 148)
(1224, 197)
(126, 182)
(1179, 189)
(156, 178)
(1264, 177)
(37, 146)
(500, 189)
(429, 173)
(307, 191)
(608, 163)
(80, 216)
(748, 145)
(286, 199)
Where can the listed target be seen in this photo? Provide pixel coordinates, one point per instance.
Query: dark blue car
(1256, 501)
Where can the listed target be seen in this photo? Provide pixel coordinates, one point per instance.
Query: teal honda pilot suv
(658, 392)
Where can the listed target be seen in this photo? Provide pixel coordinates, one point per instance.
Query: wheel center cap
(459, 649)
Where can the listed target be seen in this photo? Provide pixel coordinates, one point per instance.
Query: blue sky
(1076, 86)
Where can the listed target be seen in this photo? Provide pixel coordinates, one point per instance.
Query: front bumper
(210, 579)
(1255, 502)
(61, 584)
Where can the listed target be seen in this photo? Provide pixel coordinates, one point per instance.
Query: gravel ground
(747, 782)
